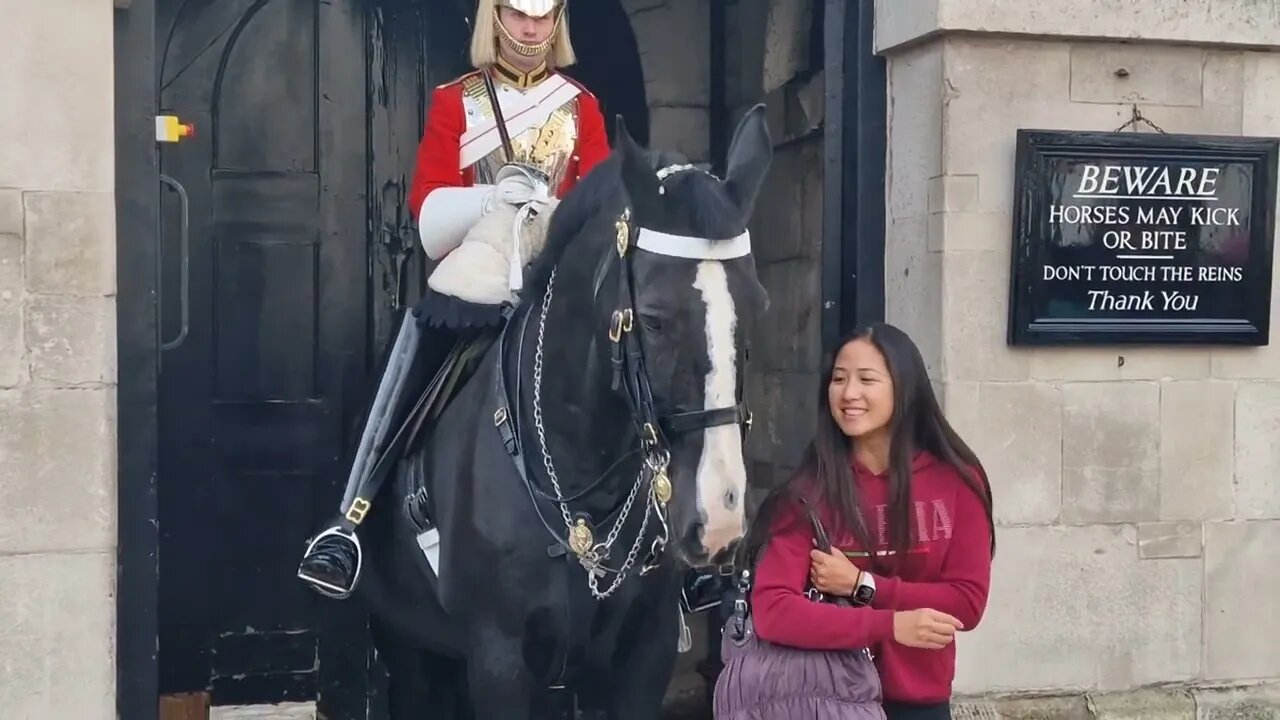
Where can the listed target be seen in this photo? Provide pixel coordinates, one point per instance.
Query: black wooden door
(306, 115)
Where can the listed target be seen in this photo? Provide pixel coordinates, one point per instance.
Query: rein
(631, 379)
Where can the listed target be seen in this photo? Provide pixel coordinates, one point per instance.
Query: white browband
(683, 246)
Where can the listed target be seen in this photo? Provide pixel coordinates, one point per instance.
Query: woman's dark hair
(826, 469)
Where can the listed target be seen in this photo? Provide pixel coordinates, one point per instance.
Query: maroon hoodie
(947, 568)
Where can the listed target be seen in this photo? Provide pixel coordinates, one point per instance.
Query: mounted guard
(501, 145)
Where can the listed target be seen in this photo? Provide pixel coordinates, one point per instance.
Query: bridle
(631, 380)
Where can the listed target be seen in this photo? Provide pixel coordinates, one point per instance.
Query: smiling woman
(908, 507)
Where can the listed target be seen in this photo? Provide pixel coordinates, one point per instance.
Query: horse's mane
(600, 190)
(600, 195)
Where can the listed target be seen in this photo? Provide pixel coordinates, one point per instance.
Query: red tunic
(438, 153)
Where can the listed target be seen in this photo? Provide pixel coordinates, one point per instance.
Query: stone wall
(1137, 489)
(57, 362)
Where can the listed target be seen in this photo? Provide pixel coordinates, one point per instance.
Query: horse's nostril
(731, 500)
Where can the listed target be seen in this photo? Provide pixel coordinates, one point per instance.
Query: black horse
(594, 454)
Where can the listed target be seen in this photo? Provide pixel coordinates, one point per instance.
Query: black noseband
(684, 422)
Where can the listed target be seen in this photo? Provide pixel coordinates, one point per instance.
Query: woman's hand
(832, 573)
(927, 629)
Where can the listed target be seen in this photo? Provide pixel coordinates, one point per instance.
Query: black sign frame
(1028, 290)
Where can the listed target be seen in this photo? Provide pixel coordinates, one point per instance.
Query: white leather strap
(684, 246)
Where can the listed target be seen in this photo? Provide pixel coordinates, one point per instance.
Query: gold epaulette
(461, 79)
(473, 87)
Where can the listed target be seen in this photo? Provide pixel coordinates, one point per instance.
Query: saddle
(458, 366)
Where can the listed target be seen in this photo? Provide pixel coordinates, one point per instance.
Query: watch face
(863, 594)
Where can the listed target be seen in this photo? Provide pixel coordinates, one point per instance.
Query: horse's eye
(651, 323)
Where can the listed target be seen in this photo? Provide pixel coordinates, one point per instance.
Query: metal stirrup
(323, 587)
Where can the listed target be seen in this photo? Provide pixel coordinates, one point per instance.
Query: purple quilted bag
(766, 681)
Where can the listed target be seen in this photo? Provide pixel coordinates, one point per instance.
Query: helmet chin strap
(524, 49)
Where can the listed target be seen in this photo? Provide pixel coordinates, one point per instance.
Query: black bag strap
(821, 540)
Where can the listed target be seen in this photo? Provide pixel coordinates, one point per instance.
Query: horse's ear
(638, 175)
(750, 155)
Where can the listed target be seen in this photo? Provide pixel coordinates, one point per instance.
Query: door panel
(288, 273)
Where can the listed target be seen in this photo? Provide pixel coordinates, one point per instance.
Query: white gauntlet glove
(518, 184)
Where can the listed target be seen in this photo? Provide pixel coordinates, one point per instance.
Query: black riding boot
(331, 562)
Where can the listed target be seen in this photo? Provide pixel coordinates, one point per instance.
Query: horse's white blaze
(722, 474)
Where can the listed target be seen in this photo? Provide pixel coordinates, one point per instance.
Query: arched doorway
(609, 63)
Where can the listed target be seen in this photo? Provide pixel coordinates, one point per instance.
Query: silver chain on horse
(593, 559)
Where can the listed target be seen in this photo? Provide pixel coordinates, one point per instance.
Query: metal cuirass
(548, 147)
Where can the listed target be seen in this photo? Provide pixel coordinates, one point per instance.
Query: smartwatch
(864, 590)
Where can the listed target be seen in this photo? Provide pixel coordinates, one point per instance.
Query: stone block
(1038, 708)
(57, 632)
(1144, 74)
(62, 137)
(1119, 363)
(1261, 74)
(1164, 540)
(1242, 617)
(985, 231)
(915, 129)
(1225, 22)
(790, 331)
(282, 711)
(72, 340)
(1110, 452)
(1252, 702)
(10, 211)
(953, 193)
(13, 361)
(776, 224)
(1016, 430)
(785, 407)
(1071, 607)
(786, 43)
(70, 243)
(11, 282)
(13, 364)
(57, 469)
(797, 418)
(763, 391)
(913, 288)
(682, 129)
(974, 310)
(672, 53)
(897, 23)
(1257, 450)
(994, 87)
(1152, 704)
(1197, 450)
